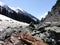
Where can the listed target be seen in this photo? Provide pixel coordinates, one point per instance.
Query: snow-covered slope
(6, 22)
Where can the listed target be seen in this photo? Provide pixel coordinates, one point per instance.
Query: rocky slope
(54, 14)
(13, 32)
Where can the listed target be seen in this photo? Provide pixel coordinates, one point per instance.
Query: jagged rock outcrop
(22, 39)
(54, 14)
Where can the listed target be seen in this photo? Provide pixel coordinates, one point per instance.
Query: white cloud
(43, 15)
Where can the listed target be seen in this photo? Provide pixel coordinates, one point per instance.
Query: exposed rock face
(18, 15)
(54, 14)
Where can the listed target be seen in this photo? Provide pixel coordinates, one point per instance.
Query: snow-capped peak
(1, 4)
(16, 9)
(20, 9)
(13, 8)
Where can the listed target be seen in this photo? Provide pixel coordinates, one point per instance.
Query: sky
(38, 8)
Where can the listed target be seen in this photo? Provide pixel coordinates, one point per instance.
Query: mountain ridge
(18, 14)
(54, 14)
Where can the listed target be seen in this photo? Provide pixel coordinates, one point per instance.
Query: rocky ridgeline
(54, 14)
(17, 14)
(49, 32)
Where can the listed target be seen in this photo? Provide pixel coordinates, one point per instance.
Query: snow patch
(15, 9)
(4, 17)
(20, 9)
(43, 15)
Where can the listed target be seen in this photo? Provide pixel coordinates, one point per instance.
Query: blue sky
(37, 8)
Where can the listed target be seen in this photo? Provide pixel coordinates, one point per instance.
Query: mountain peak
(20, 9)
(16, 9)
(17, 14)
(13, 8)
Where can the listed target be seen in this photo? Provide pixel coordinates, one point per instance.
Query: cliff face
(54, 14)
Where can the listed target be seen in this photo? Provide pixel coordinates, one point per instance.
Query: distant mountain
(17, 14)
(54, 14)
